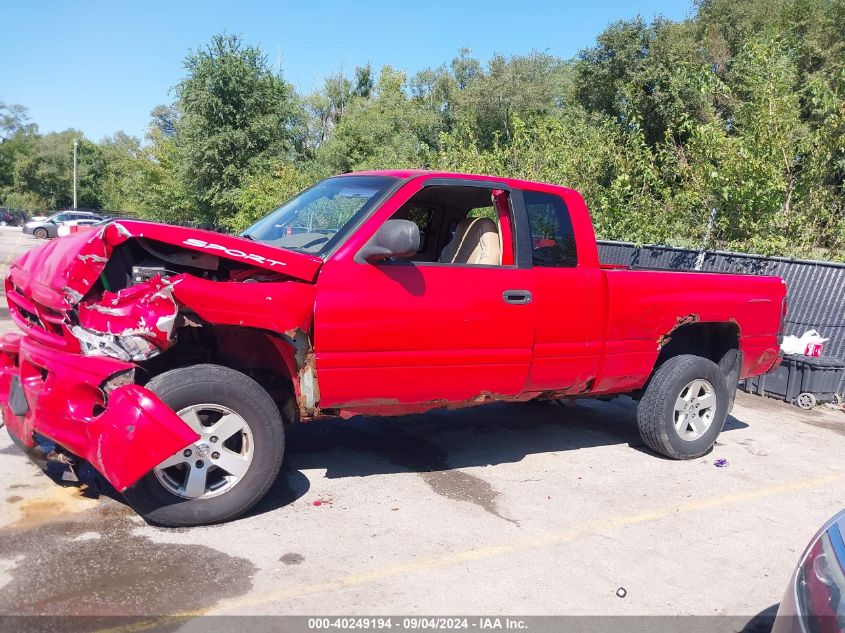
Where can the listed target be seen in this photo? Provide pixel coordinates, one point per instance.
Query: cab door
(421, 333)
(568, 294)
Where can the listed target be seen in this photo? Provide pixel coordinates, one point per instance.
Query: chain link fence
(815, 289)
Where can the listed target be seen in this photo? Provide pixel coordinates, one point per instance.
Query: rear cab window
(552, 236)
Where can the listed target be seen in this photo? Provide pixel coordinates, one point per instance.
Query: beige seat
(476, 241)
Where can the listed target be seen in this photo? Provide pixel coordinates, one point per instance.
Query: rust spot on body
(681, 321)
(306, 387)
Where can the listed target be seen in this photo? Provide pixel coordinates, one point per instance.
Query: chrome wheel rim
(695, 409)
(216, 462)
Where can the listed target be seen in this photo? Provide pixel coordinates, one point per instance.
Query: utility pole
(75, 145)
(699, 261)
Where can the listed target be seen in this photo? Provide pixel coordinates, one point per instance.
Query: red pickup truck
(172, 358)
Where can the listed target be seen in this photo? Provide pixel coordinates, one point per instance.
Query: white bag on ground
(798, 344)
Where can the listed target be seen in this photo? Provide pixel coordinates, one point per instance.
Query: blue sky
(102, 66)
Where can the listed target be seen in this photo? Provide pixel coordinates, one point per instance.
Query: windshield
(319, 217)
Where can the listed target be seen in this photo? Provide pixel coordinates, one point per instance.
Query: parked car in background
(75, 226)
(815, 598)
(49, 227)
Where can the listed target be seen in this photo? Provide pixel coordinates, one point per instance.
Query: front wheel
(233, 463)
(41, 234)
(684, 407)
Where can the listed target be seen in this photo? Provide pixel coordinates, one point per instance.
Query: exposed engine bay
(131, 312)
(134, 290)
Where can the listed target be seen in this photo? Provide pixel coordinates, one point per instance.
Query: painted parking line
(551, 539)
(15, 246)
(528, 543)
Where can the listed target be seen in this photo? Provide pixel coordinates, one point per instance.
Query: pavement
(530, 509)
(13, 243)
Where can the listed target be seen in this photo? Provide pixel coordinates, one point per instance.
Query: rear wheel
(41, 233)
(232, 464)
(684, 407)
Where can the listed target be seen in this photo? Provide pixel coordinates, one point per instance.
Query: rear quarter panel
(645, 306)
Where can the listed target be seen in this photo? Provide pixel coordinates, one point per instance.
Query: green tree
(163, 196)
(523, 86)
(235, 115)
(125, 182)
(364, 85)
(267, 190)
(387, 130)
(46, 173)
(740, 106)
(17, 137)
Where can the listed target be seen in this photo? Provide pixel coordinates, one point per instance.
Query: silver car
(49, 227)
(815, 599)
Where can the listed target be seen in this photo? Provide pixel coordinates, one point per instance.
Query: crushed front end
(98, 311)
(75, 385)
(89, 407)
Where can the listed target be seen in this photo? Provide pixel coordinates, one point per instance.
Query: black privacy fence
(815, 289)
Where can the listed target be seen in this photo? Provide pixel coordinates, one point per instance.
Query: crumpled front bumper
(58, 396)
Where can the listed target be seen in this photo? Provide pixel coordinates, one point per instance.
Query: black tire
(40, 234)
(214, 384)
(656, 409)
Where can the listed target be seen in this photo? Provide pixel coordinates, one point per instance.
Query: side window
(461, 225)
(552, 237)
(421, 216)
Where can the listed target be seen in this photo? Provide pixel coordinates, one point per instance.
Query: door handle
(519, 297)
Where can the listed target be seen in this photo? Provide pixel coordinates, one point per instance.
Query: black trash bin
(801, 380)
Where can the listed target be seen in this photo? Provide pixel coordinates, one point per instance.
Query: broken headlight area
(119, 379)
(132, 324)
(130, 347)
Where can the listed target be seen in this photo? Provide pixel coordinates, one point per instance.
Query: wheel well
(718, 342)
(709, 340)
(266, 357)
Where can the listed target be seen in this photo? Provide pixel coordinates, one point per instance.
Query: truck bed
(644, 307)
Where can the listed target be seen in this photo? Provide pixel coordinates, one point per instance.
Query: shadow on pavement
(481, 436)
(436, 445)
(288, 487)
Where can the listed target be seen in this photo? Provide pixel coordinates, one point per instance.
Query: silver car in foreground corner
(815, 599)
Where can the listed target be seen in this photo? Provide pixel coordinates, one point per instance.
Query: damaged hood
(59, 273)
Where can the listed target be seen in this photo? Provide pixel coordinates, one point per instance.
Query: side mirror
(395, 238)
